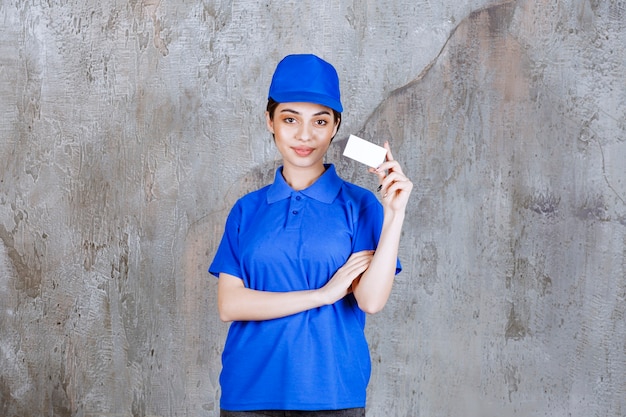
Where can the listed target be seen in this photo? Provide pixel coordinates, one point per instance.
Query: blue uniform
(279, 239)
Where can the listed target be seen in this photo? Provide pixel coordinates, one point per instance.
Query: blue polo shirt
(279, 239)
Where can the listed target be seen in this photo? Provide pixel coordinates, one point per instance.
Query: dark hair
(272, 104)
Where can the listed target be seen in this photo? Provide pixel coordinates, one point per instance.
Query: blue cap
(307, 79)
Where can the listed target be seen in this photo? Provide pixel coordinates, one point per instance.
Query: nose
(305, 132)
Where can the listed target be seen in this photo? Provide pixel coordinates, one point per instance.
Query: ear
(269, 122)
(337, 122)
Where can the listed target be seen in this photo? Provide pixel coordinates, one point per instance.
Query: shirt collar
(324, 189)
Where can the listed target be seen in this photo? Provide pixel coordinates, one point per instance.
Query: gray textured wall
(128, 129)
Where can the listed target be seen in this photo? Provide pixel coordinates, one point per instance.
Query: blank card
(364, 152)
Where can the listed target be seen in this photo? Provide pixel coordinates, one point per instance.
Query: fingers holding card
(394, 185)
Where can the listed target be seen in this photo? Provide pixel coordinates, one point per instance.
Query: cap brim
(308, 97)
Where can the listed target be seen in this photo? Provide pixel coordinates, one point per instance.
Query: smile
(303, 150)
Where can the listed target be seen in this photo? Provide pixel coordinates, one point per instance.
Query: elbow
(225, 319)
(370, 302)
(225, 315)
(371, 307)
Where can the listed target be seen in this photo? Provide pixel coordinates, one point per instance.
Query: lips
(303, 150)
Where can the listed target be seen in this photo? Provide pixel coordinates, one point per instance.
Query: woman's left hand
(395, 187)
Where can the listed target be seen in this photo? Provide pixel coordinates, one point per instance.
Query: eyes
(317, 122)
(301, 115)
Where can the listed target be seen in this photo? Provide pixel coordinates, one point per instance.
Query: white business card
(364, 152)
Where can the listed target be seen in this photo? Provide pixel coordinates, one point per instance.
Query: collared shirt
(280, 239)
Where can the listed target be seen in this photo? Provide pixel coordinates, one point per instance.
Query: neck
(300, 178)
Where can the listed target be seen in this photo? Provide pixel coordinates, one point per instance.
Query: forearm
(238, 303)
(374, 287)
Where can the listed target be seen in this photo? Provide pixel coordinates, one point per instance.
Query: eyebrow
(296, 112)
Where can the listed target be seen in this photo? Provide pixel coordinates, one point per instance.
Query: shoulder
(253, 197)
(360, 201)
(357, 194)
(249, 202)
(363, 207)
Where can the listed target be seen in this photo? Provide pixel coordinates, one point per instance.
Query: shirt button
(295, 212)
(298, 198)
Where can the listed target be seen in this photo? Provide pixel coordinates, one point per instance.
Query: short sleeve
(226, 258)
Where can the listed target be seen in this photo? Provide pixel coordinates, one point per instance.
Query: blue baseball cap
(306, 78)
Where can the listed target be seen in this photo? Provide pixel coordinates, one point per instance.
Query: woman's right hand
(341, 283)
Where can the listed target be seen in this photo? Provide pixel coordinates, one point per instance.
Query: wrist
(320, 297)
(394, 216)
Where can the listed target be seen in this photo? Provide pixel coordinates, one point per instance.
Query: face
(302, 133)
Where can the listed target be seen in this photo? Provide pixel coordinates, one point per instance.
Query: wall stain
(545, 204)
(528, 276)
(499, 17)
(91, 250)
(151, 7)
(27, 265)
(9, 405)
(593, 208)
(515, 329)
(512, 379)
(428, 262)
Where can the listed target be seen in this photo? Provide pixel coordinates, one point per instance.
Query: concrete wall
(128, 129)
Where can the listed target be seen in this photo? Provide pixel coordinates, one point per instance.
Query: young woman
(303, 260)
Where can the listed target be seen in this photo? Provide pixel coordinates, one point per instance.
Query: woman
(302, 260)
